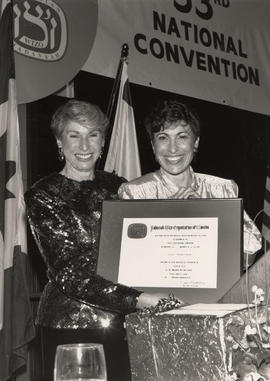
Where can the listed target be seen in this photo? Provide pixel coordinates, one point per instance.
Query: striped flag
(16, 324)
(123, 154)
(266, 212)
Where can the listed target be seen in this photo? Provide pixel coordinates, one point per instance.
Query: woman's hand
(185, 193)
(150, 300)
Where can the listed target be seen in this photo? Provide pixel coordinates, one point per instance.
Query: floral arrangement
(248, 341)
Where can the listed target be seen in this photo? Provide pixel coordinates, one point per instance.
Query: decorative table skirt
(208, 342)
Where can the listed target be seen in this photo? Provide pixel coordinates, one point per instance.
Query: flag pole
(113, 103)
(116, 84)
(122, 156)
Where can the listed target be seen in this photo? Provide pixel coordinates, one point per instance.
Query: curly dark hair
(168, 112)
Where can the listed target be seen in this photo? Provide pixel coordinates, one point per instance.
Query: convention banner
(216, 50)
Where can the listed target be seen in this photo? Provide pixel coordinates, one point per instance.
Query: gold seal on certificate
(137, 230)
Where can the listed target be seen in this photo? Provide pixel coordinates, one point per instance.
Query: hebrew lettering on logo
(48, 13)
(52, 33)
(37, 21)
(17, 20)
(40, 29)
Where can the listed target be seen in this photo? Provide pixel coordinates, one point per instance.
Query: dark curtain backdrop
(234, 143)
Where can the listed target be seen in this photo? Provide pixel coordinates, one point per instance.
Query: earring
(101, 152)
(61, 156)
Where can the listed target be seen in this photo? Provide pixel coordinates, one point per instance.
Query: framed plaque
(191, 248)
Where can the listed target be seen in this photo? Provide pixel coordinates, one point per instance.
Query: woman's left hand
(185, 193)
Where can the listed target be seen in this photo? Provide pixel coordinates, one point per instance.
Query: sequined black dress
(64, 217)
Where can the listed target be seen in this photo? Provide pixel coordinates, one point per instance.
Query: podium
(257, 275)
(198, 342)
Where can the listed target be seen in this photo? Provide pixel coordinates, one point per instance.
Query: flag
(16, 323)
(123, 155)
(266, 212)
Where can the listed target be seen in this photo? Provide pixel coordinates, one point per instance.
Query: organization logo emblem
(137, 230)
(40, 29)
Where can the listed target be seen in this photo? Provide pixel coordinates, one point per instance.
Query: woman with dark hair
(174, 131)
(64, 212)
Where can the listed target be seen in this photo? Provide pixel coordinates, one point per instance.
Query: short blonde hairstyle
(81, 112)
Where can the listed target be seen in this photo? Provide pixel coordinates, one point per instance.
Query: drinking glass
(80, 362)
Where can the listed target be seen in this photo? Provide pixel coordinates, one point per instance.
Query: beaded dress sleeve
(64, 217)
